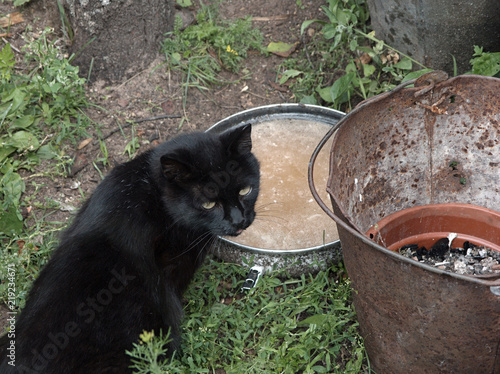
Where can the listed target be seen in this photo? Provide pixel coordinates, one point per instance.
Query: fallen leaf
(84, 143)
(11, 19)
(168, 107)
(278, 87)
(246, 103)
(365, 58)
(79, 163)
(272, 18)
(282, 49)
(123, 102)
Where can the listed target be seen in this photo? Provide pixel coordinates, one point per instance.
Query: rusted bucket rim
(354, 230)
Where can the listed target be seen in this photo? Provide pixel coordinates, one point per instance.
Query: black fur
(122, 265)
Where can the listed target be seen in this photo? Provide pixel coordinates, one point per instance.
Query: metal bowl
(296, 261)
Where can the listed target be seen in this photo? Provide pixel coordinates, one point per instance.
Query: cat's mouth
(234, 232)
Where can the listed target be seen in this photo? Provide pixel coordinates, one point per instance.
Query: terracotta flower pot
(425, 224)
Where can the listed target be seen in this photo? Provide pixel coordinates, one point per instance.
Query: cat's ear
(239, 140)
(175, 170)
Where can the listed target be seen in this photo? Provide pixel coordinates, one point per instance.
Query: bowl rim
(270, 112)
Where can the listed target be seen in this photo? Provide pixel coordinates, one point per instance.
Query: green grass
(40, 109)
(209, 46)
(284, 325)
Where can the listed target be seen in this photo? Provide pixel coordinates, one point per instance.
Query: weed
(27, 253)
(147, 355)
(485, 63)
(36, 113)
(285, 326)
(133, 145)
(343, 63)
(203, 49)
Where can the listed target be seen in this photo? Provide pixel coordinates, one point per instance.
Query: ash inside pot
(469, 259)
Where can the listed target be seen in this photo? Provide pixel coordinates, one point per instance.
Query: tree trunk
(115, 39)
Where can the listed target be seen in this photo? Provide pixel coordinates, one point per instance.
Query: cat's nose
(236, 216)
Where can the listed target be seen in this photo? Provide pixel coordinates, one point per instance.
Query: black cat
(122, 265)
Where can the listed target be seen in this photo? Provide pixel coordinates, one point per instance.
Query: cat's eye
(208, 205)
(245, 191)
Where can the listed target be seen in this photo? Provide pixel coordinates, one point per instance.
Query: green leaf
(478, 51)
(306, 24)
(184, 3)
(176, 58)
(290, 73)
(12, 185)
(317, 319)
(320, 369)
(342, 86)
(17, 97)
(343, 17)
(329, 32)
(46, 152)
(415, 74)
(486, 63)
(279, 47)
(309, 99)
(404, 64)
(23, 122)
(368, 70)
(24, 140)
(20, 2)
(7, 61)
(5, 151)
(336, 93)
(326, 94)
(10, 221)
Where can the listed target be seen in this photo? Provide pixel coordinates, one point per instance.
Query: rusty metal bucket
(437, 143)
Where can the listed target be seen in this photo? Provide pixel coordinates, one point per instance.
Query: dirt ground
(156, 92)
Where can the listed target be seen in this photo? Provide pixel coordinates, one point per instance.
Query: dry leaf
(278, 87)
(365, 58)
(168, 107)
(272, 18)
(84, 143)
(11, 19)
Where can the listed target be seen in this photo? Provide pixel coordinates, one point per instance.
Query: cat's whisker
(266, 207)
(208, 244)
(260, 215)
(192, 246)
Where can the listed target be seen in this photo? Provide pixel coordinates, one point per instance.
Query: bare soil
(156, 92)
